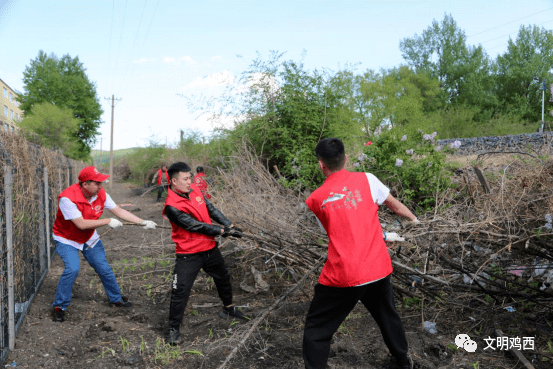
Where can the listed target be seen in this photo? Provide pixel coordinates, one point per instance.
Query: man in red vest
(190, 214)
(201, 182)
(358, 267)
(162, 178)
(79, 209)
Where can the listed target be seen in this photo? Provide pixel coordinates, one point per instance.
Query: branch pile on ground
(496, 243)
(275, 219)
(480, 248)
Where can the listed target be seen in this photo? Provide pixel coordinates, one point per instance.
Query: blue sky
(149, 53)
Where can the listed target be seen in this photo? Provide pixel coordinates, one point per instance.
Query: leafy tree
(52, 127)
(64, 83)
(521, 70)
(463, 71)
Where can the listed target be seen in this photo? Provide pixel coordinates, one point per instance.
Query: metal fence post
(9, 247)
(47, 215)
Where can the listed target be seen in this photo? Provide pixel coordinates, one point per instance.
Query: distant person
(162, 181)
(80, 207)
(358, 267)
(190, 214)
(201, 182)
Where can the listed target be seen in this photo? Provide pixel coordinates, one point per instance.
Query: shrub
(410, 164)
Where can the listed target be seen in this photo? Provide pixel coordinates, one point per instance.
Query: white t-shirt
(70, 211)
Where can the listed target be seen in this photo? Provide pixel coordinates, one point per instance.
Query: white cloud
(187, 59)
(213, 80)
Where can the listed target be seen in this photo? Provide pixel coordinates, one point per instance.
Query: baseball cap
(92, 174)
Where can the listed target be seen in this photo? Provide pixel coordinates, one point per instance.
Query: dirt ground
(97, 335)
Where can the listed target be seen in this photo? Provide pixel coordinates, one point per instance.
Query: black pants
(187, 267)
(330, 307)
(160, 189)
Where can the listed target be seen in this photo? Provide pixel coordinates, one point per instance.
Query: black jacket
(191, 224)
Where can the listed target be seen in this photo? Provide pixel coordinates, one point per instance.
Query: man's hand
(148, 224)
(235, 228)
(392, 237)
(114, 223)
(232, 231)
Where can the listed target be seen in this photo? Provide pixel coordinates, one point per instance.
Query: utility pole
(542, 106)
(111, 141)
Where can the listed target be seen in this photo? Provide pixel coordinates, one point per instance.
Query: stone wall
(533, 142)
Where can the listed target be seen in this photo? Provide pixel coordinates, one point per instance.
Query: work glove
(233, 232)
(392, 237)
(114, 223)
(235, 228)
(148, 224)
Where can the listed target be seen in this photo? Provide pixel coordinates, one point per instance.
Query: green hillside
(102, 157)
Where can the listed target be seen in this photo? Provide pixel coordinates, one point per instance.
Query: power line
(134, 42)
(142, 47)
(508, 34)
(110, 37)
(120, 40)
(516, 20)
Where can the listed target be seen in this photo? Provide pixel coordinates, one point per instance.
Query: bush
(410, 164)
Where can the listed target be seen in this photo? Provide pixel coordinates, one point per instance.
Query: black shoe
(59, 314)
(173, 337)
(233, 312)
(122, 303)
(404, 363)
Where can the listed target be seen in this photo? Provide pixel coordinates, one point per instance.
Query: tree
(63, 82)
(52, 127)
(463, 71)
(521, 71)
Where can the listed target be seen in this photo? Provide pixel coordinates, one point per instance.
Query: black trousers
(187, 267)
(160, 189)
(330, 307)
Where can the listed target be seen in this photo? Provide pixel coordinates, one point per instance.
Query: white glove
(148, 224)
(114, 223)
(392, 237)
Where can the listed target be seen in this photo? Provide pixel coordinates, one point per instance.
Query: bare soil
(97, 335)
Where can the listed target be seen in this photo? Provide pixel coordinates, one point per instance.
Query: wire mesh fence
(31, 179)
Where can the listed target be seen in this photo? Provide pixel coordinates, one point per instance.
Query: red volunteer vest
(187, 242)
(66, 228)
(357, 253)
(159, 174)
(199, 180)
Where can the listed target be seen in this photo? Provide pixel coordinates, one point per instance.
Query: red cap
(92, 174)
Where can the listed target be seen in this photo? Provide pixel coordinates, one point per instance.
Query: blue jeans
(96, 257)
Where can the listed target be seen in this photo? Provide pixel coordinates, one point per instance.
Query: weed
(194, 352)
(210, 332)
(344, 330)
(210, 283)
(165, 352)
(148, 289)
(104, 351)
(124, 343)
(411, 302)
(452, 347)
(143, 346)
(354, 316)
(475, 365)
(194, 312)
